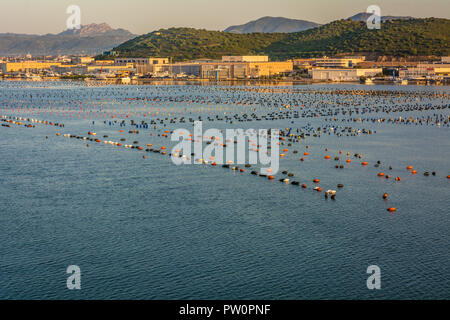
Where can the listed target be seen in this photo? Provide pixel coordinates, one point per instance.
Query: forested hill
(187, 44)
(422, 37)
(396, 37)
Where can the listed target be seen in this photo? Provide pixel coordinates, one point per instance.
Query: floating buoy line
(152, 111)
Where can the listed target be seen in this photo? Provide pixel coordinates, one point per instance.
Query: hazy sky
(143, 16)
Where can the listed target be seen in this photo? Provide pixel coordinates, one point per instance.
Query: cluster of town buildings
(357, 68)
(350, 68)
(229, 67)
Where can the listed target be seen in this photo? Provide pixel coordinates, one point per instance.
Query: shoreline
(171, 81)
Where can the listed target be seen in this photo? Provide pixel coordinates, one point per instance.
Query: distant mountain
(89, 39)
(414, 37)
(272, 25)
(363, 16)
(95, 30)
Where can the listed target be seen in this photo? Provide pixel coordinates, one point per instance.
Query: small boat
(125, 80)
(401, 82)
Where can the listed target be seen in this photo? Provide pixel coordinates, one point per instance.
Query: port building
(245, 59)
(335, 74)
(229, 67)
(338, 62)
(27, 66)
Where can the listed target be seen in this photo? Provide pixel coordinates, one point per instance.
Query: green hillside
(397, 38)
(187, 44)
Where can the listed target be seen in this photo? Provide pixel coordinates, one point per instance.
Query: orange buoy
(149, 145)
(385, 196)
(270, 177)
(327, 157)
(304, 186)
(241, 170)
(281, 154)
(398, 179)
(302, 159)
(391, 209)
(448, 177)
(162, 148)
(348, 160)
(306, 153)
(409, 167)
(388, 176)
(381, 174)
(365, 163)
(414, 171)
(316, 180)
(285, 150)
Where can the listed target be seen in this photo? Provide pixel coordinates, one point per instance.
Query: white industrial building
(142, 61)
(343, 74)
(339, 62)
(245, 58)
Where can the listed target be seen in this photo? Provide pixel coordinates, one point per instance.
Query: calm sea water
(147, 229)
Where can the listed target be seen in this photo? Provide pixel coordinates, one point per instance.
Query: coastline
(173, 81)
